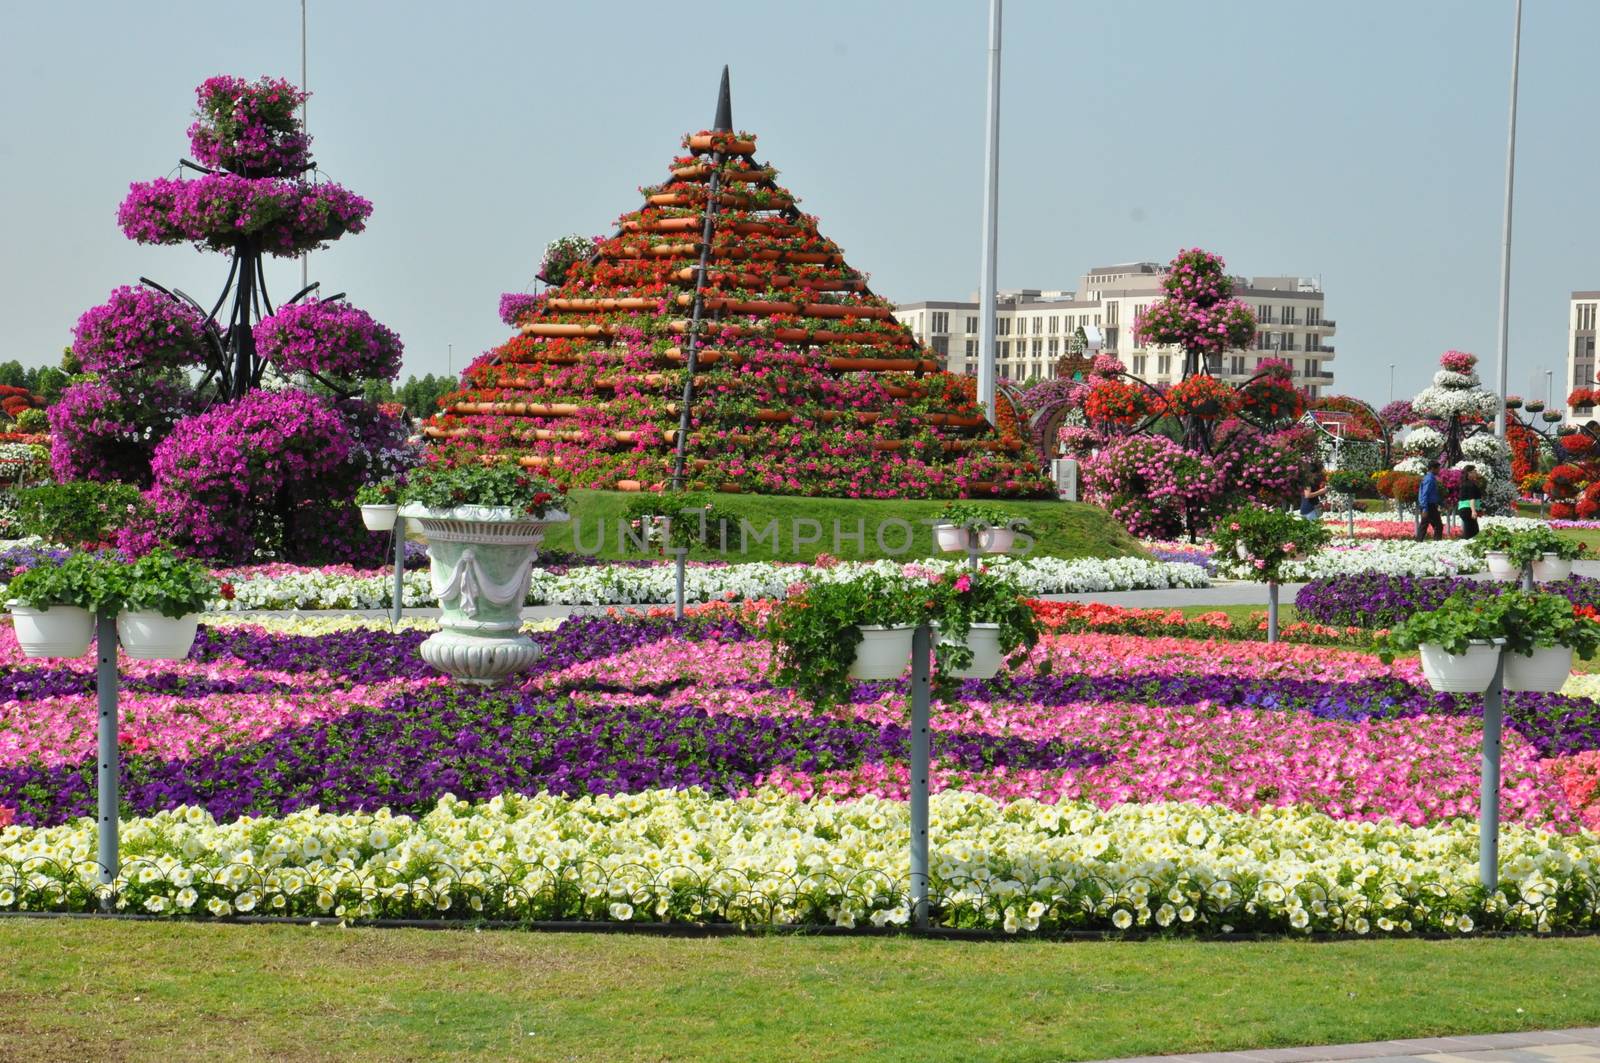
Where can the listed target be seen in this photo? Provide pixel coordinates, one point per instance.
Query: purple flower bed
(1374, 600)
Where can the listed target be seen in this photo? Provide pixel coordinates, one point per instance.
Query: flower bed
(1448, 558)
(1373, 600)
(1116, 758)
(630, 583)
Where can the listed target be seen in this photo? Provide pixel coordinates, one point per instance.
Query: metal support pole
(679, 553)
(1272, 611)
(106, 729)
(1527, 577)
(1505, 236)
(921, 691)
(1489, 784)
(973, 551)
(399, 571)
(991, 225)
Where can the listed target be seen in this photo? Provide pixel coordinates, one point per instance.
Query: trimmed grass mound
(788, 528)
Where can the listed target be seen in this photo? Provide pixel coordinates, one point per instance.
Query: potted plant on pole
(379, 503)
(830, 633)
(1542, 633)
(50, 607)
(961, 522)
(1264, 541)
(1460, 642)
(981, 617)
(484, 523)
(160, 598)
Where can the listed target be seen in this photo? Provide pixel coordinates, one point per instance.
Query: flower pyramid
(805, 384)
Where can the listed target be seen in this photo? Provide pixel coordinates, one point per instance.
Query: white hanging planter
(59, 631)
(379, 517)
(1465, 673)
(950, 536)
(996, 540)
(1551, 567)
(1500, 566)
(1239, 548)
(149, 636)
(884, 651)
(984, 641)
(1546, 670)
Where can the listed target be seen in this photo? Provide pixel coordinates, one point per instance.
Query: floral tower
(717, 339)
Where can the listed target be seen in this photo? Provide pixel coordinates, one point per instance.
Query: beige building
(1580, 351)
(1033, 327)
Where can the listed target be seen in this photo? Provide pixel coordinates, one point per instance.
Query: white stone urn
(481, 561)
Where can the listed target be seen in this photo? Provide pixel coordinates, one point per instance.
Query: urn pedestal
(481, 561)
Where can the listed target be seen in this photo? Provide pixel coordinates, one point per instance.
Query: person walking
(1311, 497)
(1471, 499)
(1428, 497)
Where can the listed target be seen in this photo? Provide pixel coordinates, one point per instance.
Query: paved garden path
(1545, 1046)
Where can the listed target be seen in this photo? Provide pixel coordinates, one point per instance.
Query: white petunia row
(1449, 557)
(772, 859)
(622, 585)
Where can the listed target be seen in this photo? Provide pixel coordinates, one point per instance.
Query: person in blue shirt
(1428, 497)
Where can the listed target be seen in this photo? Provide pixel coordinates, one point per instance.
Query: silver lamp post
(1505, 236)
(991, 212)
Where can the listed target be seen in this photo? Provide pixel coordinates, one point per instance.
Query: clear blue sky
(1362, 141)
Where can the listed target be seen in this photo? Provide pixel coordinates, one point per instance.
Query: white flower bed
(683, 856)
(1449, 557)
(622, 585)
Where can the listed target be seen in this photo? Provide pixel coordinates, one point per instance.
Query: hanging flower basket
(1552, 567)
(148, 636)
(1202, 396)
(1468, 672)
(884, 652)
(58, 631)
(1546, 670)
(984, 642)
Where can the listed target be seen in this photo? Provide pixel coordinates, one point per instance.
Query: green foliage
(693, 517)
(980, 516)
(1351, 482)
(1524, 547)
(78, 512)
(1268, 537)
(420, 395)
(443, 485)
(815, 632)
(33, 421)
(1523, 621)
(381, 493)
(158, 582)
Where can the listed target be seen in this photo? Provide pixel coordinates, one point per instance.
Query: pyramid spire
(724, 119)
(805, 384)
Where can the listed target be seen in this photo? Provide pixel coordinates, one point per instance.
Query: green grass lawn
(1062, 529)
(111, 991)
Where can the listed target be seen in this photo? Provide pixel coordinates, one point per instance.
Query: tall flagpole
(305, 259)
(991, 211)
(1505, 239)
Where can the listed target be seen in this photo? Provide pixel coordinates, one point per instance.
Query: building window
(1055, 346)
(1264, 313)
(1313, 342)
(1055, 323)
(1111, 313)
(941, 347)
(1138, 365)
(1005, 327)
(972, 350)
(1038, 325)
(1289, 313)
(1288, 341)
(1236, 366)
(1111, 340)
(972, 325)
(1005, 372)
(941, 321)
(1038, 348)
(1164, 365)
(1313, 315)
(1586, 315)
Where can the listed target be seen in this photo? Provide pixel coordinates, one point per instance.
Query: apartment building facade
(1580, 351)
(1033, 327)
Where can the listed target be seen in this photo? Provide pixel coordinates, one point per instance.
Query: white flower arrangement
(1453, 381)
(1423, 440)
(1485, 448)
(1450, 402)
(771, 858)
(1414, 465)
(1448, 557)
(625, 585)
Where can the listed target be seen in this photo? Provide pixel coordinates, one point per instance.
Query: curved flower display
(139, 330)
(331, 339)
(250, 127)
(216, 211)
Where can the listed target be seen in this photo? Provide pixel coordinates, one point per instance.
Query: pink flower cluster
(219, 211)
(138, 329)
(250, 128)
(1458, 361)
(329, 338)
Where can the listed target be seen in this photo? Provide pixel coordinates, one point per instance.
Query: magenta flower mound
(215, 211)
(228, 479)
(249, 127)
(329, 339)
(103, 432)
(514, 306)
(139, 329)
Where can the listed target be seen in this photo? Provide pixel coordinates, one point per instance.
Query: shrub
(78, 512)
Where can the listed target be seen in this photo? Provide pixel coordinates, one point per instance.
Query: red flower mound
(1202, 396)
(1119, 401)
(1565, 481)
